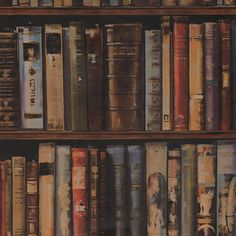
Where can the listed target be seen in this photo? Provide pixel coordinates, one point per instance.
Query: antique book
(206, 189)
(54, 77)
(140, 2)
(153, 84)
(34, 3)
(187, 2)
(78, 81)
(80, 191)
(46, 160)
(188, 189)
(63, 191)
(23, 3)
(228, 2)
(31, 76)
(156, 182)
(32, 211)
(169, 2)
(154, 3)
(3, 173)
(181, 73)
(5, 3)
(124, 77)
(58, 3)
(207, 2)
(226, 187)
(45, 3)
(67, 3)
(225, 52)
(18, 195)
(233, 71)
(94, 51)
(211, 68)
(196, 82)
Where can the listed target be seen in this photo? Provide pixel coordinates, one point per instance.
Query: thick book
(46, 161)
(54, 77)
(156, 185)
(31, 76)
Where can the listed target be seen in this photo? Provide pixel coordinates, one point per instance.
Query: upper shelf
(126, 11)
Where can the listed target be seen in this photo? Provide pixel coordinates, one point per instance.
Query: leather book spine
(211, 70)
(46, 3)
(80, 190)
(3, 198)
(187, 2)
(207, 2)
(228, 3)
(181, 73)
(142, 2)
(225, 47)
(169, 3)
(233, 72)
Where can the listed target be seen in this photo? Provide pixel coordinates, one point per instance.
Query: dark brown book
(140, 2)
(154, 2)
(207, 2)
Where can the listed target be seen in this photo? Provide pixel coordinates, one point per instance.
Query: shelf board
(127, 11)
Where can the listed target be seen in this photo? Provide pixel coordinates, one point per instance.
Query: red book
(3, 198)
(80, 190)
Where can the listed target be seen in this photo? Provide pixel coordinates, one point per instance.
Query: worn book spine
(31, 76)
(225, 98)
(211, 70)
(207, 2)
(196, 82)
(63, 192)
(228, 2)
(154, 3)
(78, 83)
(3, 198)
(187, 2)
(181, 73)
(6, 3)
(67, 3)
(233, 71)
(94, 50)
(34, 3)
(58, 3)
(23, 3)
(32, 210)
(141, 2)
(226, 185)
(188, 189)
(54, 77)
(46, 161)
(169, 2)
(45, 3)
(156, 185)
(206, 189)
(80, 190)
(18, 196)
(153, 80)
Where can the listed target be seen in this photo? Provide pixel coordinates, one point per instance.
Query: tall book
(63, 191)
(54, 77)
(46, 160)
(233, 71)
(3, 197)
(31, 76)
(156, 181)
(18, 195)
(226, 187)
(124, 77)
(153, 80)
(206, 192)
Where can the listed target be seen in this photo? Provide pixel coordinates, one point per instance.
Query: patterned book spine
(156, 180)
(78, 81)
(225, 104)
(196, 108)
(174, 191)
(18, 196)
(3, 198)
(94, 41)
(63, 192)
(188, 191)
(206, 192)
(46, 188)
(135, 155)
(80, 190)
(233, 71)
(31, 76)
(226, 187)
(32, 199)
(181, 76)
(54, 77)
(153, 79)
(211, 68)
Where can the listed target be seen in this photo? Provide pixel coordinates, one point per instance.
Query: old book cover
(54, 77)
(156, 182)
(3, 197)
(31, 76)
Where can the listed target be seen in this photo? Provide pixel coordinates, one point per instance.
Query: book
(3, 197)
(233, 70)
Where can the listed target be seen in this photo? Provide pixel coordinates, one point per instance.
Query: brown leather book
(207, 2)
(187, 2)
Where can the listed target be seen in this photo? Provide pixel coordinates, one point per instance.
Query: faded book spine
(3, 198)
(54, 77)
(207, 2)
(169, 2)
(63, 192)
(206, 189)
(187, 2)
(156, 182)
(31, 76)
(153, 80)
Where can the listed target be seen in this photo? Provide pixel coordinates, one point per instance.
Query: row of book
(73, 190)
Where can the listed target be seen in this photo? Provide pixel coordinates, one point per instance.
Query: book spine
(18, 195)
(140, 2)
(3, 198)
(211, 69)
(54, 77)
(207, 2)
(153, 3)
(188, 2)
(45, 3)
(188, 191)
(153, 79)
(34, 3)
(80, 190)
(233, 72)
(181, 76)
(63, 191)
(196, 108)
(228, 2)
(32, 213)
(58, 3)
(46, 188)
(169, 2)
(156, 181)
